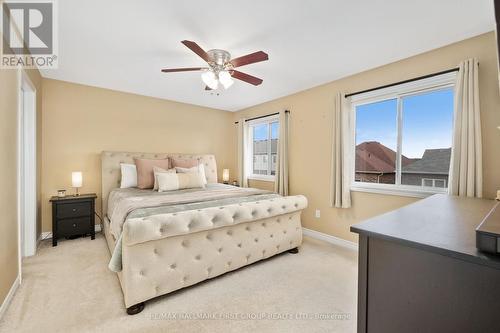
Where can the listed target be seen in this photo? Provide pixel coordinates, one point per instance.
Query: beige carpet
(69, 289)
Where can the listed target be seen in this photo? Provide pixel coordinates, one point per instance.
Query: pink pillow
(145, 175)
(184, 162)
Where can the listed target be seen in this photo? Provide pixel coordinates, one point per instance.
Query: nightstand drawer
(74, 210)
(77, 226)
(73, 216)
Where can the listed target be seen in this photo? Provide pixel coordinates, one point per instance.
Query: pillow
(156, 171)
(178, 181)
(145, 175)
(184, 162)
(129, 175)
(200, 169)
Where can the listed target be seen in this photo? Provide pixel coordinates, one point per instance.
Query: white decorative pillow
(178, 181)
(156, 171)
(129, 175)
(197, 169)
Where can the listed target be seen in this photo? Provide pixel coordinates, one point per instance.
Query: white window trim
(250, 123)
(396, 92)
(267, 178)
(399, 190)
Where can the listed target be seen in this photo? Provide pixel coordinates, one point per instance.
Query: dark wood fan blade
(249, 59)
(196, 49)
(245, 77)
(172, 70)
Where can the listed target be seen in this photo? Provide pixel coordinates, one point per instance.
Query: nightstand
(73, 216)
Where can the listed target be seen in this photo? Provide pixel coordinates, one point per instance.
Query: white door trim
(26, 181)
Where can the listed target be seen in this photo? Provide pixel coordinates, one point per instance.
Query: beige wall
(311, 131)
(9, 88)
(81, 121)
(8, 174)
(262, 184)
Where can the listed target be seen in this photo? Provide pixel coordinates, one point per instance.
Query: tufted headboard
(111, 176)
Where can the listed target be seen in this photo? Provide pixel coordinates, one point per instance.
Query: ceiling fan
(221, 68)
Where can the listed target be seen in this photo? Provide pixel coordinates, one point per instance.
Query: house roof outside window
(374, 157)
(434, 161)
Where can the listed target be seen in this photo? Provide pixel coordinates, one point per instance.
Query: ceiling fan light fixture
(221, 68)
(210, 79)
(225, 79)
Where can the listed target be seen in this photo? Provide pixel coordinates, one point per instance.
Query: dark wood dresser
(420, 271)
(73, 216)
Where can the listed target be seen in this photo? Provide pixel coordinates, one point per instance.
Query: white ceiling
(123, 44)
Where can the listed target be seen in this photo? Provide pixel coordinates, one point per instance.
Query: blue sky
(427, 122)
(260, 131)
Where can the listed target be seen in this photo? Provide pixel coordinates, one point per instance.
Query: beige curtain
(281, 179)
(242, 150)
(466, 167)
(341, 164)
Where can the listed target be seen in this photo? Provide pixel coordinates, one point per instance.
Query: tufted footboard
(167, 252)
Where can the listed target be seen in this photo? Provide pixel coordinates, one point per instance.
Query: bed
(162, 242)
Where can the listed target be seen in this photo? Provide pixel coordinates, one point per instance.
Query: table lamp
(225, 176)
(76, 180)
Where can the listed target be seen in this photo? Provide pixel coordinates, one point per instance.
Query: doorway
(27, 191)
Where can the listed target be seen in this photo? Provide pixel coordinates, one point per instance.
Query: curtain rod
(264, 116)
(405, 81)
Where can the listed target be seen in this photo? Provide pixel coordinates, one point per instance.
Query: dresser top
(73, 197)
(440, 223)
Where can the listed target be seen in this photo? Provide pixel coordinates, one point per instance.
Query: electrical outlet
(317, 214)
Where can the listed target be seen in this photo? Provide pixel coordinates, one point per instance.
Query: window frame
(249, 160)
(398, 92)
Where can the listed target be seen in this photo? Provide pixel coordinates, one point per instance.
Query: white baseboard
(48, 234)
(9, 296)
(330, 239)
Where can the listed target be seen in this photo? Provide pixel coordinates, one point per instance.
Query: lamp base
(77, 194)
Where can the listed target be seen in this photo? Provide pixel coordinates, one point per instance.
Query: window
(263, 145)
(403, 137)
(376, 142)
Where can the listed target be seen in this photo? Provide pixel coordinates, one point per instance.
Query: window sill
(261, 178)
(401, 190)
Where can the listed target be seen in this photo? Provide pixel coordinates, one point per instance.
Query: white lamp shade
(225, 79)
(225, 175)
(76, 179)
(210, 79)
